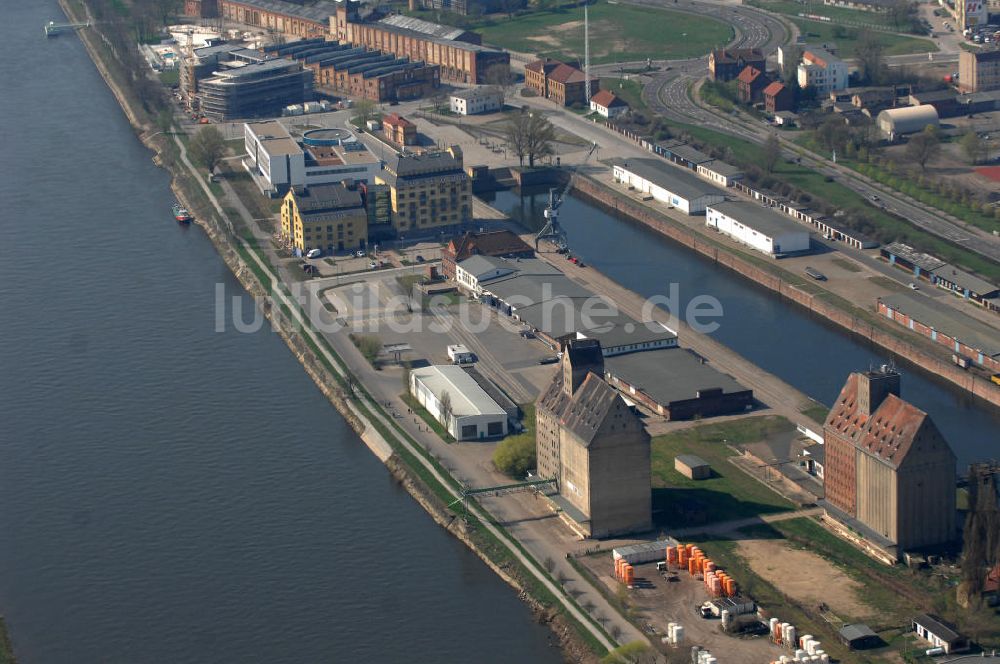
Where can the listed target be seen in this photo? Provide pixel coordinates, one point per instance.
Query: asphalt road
(668, 94)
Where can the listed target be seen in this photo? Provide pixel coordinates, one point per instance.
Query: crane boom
(552, 231)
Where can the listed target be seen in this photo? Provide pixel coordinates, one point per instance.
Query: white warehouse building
(758, 227)
(897, 122)
(477, 100)
(474, 415)
(669, 184)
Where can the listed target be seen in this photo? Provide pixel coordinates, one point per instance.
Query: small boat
(181, 214)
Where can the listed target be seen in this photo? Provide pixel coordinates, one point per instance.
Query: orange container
(690, 548)
(691, 566)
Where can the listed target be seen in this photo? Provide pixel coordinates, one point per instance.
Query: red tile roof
(774, 88)
(607, 99)
(397, 120)
(888, 433)
(749, 74)
(566, 74)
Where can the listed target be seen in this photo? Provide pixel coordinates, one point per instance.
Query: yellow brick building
(330, 217)
(428, 190)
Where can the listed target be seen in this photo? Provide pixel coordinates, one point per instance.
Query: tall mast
(586, 52)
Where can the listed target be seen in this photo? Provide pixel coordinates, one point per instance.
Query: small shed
(939, 634)
(692, 467)
(636, 554)
(859, 637)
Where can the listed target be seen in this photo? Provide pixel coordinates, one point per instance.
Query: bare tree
(973, 146)
(515, 135)
(207, 147)
(870, 55)
(446, 408)
(364, 110)
(501, 76)
(771, 152)
(923, 147)
(540, 135)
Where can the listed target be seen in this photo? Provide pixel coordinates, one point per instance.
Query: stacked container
(675, 634)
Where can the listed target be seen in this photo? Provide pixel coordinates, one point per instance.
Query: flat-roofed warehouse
(456, 400)
(758, 227)
(676, 384)
(667, 184)
(954, 330)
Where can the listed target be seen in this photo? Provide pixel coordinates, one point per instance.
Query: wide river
(169, 493)
(805, 351)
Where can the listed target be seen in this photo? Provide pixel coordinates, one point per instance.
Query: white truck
(459, 354)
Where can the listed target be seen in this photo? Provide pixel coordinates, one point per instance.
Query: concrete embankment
(972, 383)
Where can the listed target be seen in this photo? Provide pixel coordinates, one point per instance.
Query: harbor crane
(552, 231)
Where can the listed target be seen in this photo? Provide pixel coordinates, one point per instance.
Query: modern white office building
(672, 185)
(277, 162)
(456, 400)
(477, 100)
(758, 227)
(822, 71)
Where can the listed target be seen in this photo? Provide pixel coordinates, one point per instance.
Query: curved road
(669, 94)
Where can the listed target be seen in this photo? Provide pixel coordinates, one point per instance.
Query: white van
(314, 253)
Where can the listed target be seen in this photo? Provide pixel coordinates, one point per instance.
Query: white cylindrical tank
(791, 636)
(804, 639)
(824, 658)
(800, 653)
(931, 652)
(773, 624)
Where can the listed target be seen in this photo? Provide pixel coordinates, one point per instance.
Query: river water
(804, 350)
(168, 493)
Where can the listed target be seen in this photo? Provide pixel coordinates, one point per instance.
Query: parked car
(360, 253)
(372, 265)
(420, 259)
(913, 286)
(314, 253)
(551, 359)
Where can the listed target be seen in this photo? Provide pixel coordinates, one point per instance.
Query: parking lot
(379, 306)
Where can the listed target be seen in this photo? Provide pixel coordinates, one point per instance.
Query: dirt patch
(548, 40)
(567, 26)
(805, 577)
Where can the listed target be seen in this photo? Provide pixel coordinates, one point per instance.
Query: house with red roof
(399, 130)
(778, 97)
(608, 104)
(889, 474)
(750, 84)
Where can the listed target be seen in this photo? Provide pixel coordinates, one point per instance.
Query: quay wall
(976, 385)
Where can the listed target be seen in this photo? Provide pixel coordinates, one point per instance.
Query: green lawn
(170, 77)
(729, 493)
(816, 412)
(618, 33)
(837, 14)
(817, 31)
(428, 419)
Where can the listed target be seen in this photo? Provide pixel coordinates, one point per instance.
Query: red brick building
(399, 130)
(562, 83)
(493, 243)
(201, 8)
(727, 63)
(888, 473)
(458, 52)
(750, 84)
(778, 97)
(287, 18)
